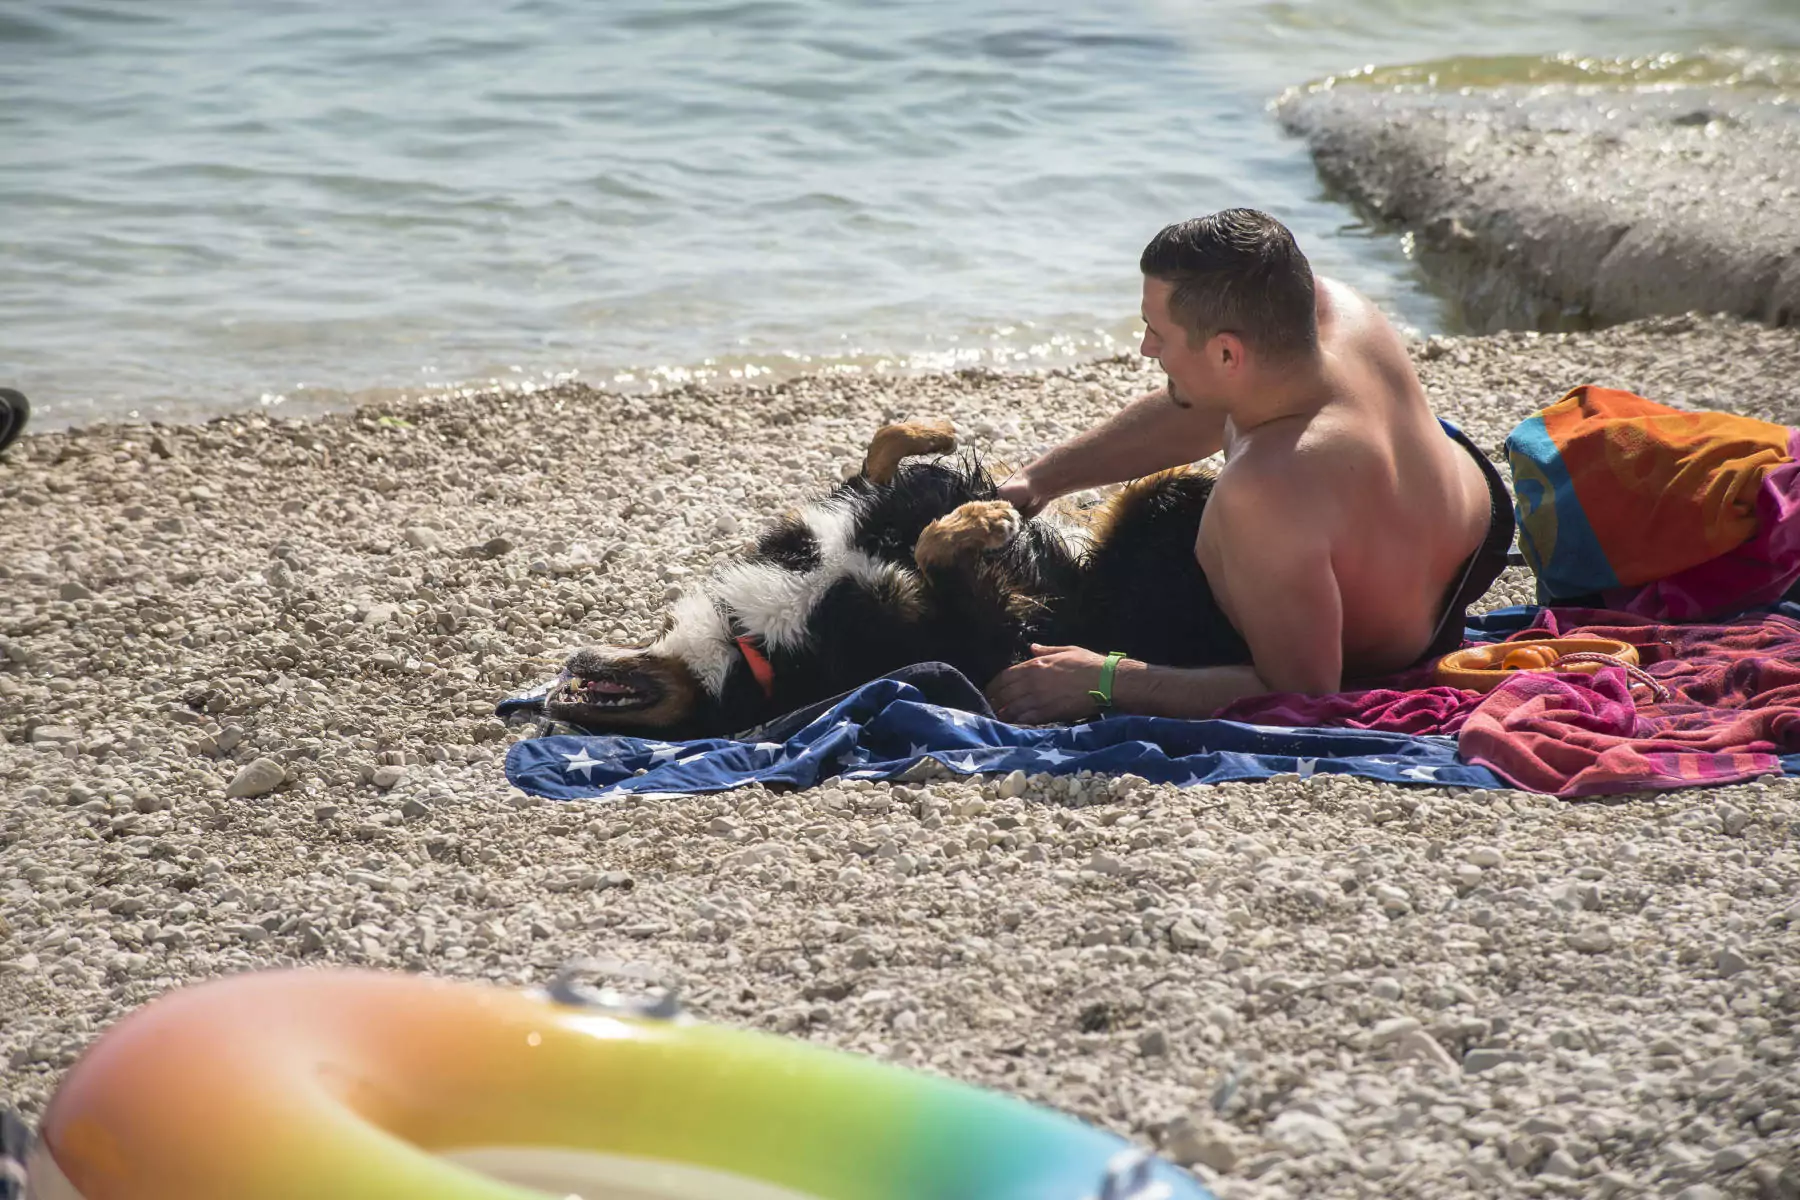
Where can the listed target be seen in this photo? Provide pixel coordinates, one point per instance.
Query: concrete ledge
(1566, 208)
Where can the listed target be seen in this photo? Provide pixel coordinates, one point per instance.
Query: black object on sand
(15, 410)
(15, 1146)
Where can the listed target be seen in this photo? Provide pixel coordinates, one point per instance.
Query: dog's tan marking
(974, 527)
(681, 696)
(900, 592)
(1118, 506)
(1022, 607)
(892, 443)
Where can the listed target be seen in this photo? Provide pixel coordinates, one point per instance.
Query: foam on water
(207, 207)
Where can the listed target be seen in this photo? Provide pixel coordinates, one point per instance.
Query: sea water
(208, 205)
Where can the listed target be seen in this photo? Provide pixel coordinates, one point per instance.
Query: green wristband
(1103, 694)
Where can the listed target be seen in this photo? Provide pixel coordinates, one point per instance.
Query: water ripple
(19, 30)
(108, 14)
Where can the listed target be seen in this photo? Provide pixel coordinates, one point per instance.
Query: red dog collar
(758, 663)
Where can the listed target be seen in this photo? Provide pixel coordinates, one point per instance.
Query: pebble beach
(247, 675)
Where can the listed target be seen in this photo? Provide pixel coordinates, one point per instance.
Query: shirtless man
(1348, 530)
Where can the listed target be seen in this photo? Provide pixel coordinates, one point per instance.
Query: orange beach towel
(1613, 490)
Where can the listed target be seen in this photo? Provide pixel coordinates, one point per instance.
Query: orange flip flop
(1484, 668)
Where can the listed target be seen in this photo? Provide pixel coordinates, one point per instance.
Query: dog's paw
(892, 443)
(974, 528)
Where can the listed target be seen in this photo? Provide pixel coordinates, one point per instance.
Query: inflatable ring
(1484, 668)
(356, 1085)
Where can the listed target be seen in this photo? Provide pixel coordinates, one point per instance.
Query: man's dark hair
(1237, 271)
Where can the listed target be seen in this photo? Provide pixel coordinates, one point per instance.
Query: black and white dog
(909, 562)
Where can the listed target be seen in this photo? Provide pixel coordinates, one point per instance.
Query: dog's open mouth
(615, 691)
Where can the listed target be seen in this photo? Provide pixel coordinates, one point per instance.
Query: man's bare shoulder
(1298, 489)
(1368, 353)
(1283, 453)
(1345, 312)
(1280, 473)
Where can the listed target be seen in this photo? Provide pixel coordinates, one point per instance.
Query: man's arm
(1152, 433)
(1274, 568)
(1186, 692)
(1273, 537)
(1054, 685)
(1275, 562)
(1288, 607)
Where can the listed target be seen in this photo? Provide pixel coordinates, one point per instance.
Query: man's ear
(1227, 351)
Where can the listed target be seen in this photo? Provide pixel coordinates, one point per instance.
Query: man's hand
(1051, 685)
(1017, 491)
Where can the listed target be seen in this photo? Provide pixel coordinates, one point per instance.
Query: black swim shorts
(1482, 567)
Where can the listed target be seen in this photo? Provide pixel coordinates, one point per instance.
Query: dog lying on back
(909, 562)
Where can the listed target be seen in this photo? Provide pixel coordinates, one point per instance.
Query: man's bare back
(1395, 504)
(1344, 515)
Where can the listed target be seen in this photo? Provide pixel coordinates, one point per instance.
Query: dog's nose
(592, 659)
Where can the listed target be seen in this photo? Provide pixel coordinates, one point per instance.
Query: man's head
(1224, 293)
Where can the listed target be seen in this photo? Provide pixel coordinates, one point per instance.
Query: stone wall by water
(1564, 208)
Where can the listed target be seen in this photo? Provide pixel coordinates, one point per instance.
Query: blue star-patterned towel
(931, 711)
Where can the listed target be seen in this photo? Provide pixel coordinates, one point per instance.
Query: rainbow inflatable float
(362, 1086)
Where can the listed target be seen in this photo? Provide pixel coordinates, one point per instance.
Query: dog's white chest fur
(771, 602)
